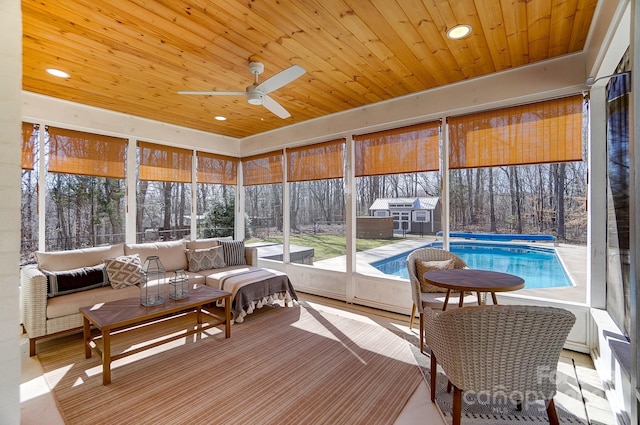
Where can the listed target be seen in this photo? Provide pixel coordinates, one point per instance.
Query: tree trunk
(560, 184)
(143, 185)
(540, 201)
(166, 224)
(493, 228)
(478, 197)
(294, 201)
(518, 202)
(64, 238)
(469, 195)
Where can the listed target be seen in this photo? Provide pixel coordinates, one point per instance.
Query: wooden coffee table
(128, 313)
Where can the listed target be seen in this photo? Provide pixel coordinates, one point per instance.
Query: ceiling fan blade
(275, 107)
(214, 93)
(281, 78)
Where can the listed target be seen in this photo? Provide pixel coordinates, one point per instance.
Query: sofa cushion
(195, 278)
(215, 277)
(205, 259)
(423, 266)
(70, 304)
(172, 253)
(57, 261)
(124, 270)
(206, 243)
(233, 253)
(76, 280)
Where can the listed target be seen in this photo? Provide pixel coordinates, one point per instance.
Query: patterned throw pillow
(124, 270)
(233, 253)
(76, 280)
(205, 259)
(423, 266)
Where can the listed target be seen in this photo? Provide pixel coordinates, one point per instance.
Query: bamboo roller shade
(265, 168)
(77, 152)
(542, 132)
(29, 142)
(164, 163)
(216, 169)
(400, 150)
(316, 162)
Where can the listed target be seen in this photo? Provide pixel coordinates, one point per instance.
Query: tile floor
(38, 405)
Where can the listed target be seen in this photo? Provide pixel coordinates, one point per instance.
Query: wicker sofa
(61, 282)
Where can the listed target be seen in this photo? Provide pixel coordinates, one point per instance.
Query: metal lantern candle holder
(152, 281)
(179, 285)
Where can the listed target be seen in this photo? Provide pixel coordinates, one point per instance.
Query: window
(262, 180)
(421, 216)
(394, 170)
(520, 170)
(85, 197)
(317, 204)
(29, 203)
(163, 193)
(217, 180)
(493, 188)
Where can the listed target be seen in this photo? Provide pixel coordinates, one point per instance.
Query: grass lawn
(327, 245)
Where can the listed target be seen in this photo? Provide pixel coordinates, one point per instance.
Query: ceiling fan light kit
(257, 93)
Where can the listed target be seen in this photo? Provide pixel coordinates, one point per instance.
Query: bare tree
(560, 188)
(492, 212)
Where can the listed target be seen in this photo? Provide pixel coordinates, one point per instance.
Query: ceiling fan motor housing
(254, 97)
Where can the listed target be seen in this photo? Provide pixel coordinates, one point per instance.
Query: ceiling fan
(258, 94)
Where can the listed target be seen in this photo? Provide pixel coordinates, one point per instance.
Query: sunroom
(292, 186)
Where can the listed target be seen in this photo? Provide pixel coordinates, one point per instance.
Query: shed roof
(425, 203)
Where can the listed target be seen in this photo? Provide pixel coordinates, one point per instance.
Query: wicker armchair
(429, 299)
(510, 350)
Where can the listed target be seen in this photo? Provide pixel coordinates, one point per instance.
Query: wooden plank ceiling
(133, 56)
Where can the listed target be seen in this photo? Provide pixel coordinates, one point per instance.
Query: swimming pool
(539, 267)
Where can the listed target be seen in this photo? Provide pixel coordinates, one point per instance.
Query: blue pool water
(539, 267)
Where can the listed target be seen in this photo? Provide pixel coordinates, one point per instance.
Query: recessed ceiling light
(459, 31)
(220, 118)
(57, 73)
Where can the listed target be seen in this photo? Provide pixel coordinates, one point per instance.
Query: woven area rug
(291, 365)
(478, 410)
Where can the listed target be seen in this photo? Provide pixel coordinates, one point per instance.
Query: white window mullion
(42, 191)
(131, 182)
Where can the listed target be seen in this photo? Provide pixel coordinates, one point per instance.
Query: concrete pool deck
(574, 258)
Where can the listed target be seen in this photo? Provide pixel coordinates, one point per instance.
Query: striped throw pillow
(233, 253)
(76, 280)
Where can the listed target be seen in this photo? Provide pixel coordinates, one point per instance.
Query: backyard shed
(413, 215)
